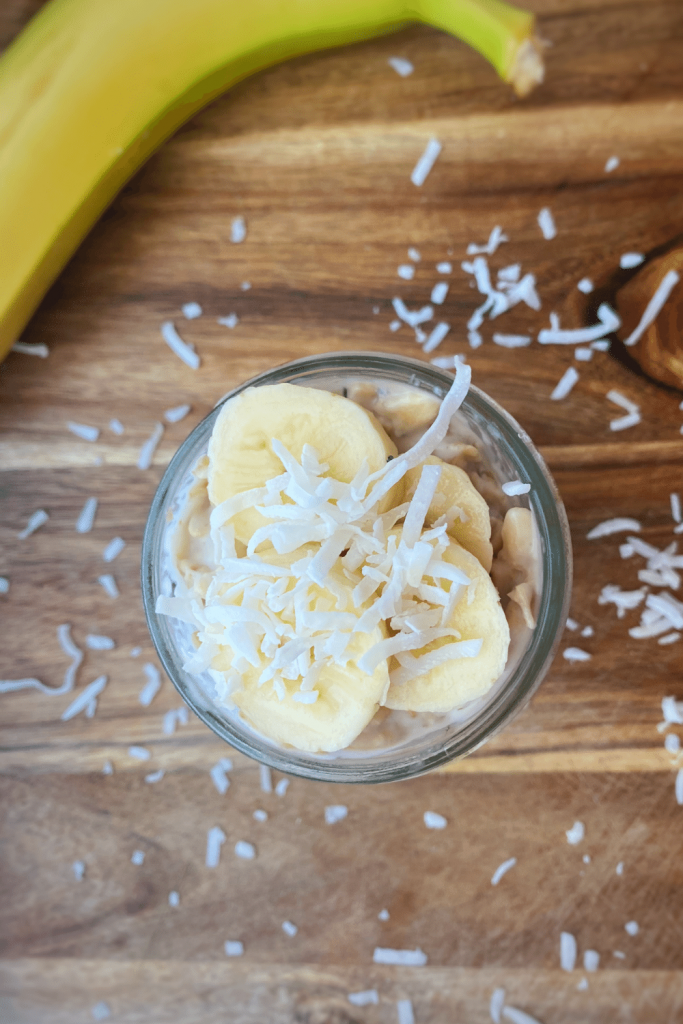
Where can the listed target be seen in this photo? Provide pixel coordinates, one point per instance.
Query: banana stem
(503, 34)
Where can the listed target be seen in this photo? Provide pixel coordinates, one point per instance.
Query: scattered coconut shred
(352, 524)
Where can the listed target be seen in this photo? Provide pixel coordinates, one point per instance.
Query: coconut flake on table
(406, 271)
(399, 957)
(289, 929)
(174, 717)
(78, 868)
(585, 285)
(678, 788)
(670, 638)
(414, 255)
(512, 340)
(446, 362)
(675, 507)
(245, 851)
(116, 426)
(612, 164)
(150, 446)
(113, 549)
(502, 869)
(260, 815)
(475, 339)
(238, 230)
(489, 248)
(86, 700)
(265, 779)
(576, 833)
(83, 431)
(425, 163)
(174, 899)
(413, 317)
(4, 585)
(404, 1011)
(282, 787)
(591, 960)
(139, 753)
(620, 868)
(368, 997)
(439, 293)
(618, 954)
(672, 743)
(567, 951)
(587, 631)
(609, 526)
(109, 583)
(546, 223)
(35, 521)
(101, 1011)
(584, 355)
(231, 320)
(153, 777)
(395, 325)
(575, 654)
(335, 813)
(71, 651)
(516, 1016)
(435, 337)
(654, 306)
(434, 821)
(233, 948)
(219, 776)
(185, 350)
(86, 519)
(107, 768)
(215, 838)
(444, 267)
(629, 260)
(191, 310)
(383, 915)
(152, 686)
(631, 927)
(138, 858)
(31, 348)
(608, 322)
(179, 412)
(135, 652)
(496, 1004)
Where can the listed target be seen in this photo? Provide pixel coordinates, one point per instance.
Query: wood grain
(316, 154)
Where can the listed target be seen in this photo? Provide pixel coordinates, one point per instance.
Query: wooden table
(317, 155)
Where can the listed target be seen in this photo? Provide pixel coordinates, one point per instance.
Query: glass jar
(511, 456)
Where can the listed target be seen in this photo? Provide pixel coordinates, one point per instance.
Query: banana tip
(528, 68)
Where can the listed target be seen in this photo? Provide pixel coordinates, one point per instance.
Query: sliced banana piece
(240, 452)
(518, 564)
(454, 683)
(455, 490)
(347, 698)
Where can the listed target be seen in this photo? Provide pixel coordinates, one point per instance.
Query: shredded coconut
(368, 997)
(585, 285)
(576, 833)
(101, 1011)
(631, 927)
(174, 899)
(565, 384)
(383, 915)
(406, 271)
(153, 777)
(28, 348)
(399, 957)
(496, 1005)
(231, 320)
(624, 422)
(629, 260)
(404, 1010)
(282, 787)
(591, 960)
(152, 686)
(179, 412)
(107, 768)
(86, 519)
(289, 929)
(434, 820)
(612, 164)
(4, 585)
(233, 948)
(214, 840)
(515, 487)
(266, 779)
(83, 431)
(445, 267)
(414, 255)
(439, 293)
(238, 230)
(245, 851)
(78, 868)
(679, 787)
(113, 549)
(675, 507)
(425, 163)
(35, 521)
(150, 446)
(435, 337)
(584, 355)
(619, 955)
(546, 223)
(488, 248)
(139, 753)
(335, 813)
(192, 310)
(512, 340)
(620, 868)
(219, 777)
(85, 699)
(567, 951)
(575, 654)
(260, 815)
(109, 583)
(518, 1016)
(116, 426)
(608, 322)
(138, 858)
(183, 349)
(610, 526)
(502, 869)
(654, 306)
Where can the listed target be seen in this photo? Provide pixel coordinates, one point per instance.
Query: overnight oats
(351, 572)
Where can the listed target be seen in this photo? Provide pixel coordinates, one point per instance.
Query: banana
(241, 455)
(91, 88)
(347, 697)
(453, 683)
(455, 490)
(518, 572)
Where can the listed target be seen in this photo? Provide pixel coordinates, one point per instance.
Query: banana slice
(456, 489)
(348, 698)
(517, 572)
(240, 453)
(454, 683)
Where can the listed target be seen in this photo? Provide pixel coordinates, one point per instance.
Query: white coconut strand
(654, 306)
(86, 519)
(412, 667)
(149, 447)
(425, 163)
(184, 350)
(84, 699)
(608, 322)
(35, 521)
(113, 549)
(152, 686)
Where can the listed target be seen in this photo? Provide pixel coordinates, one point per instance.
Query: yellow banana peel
(92, 87)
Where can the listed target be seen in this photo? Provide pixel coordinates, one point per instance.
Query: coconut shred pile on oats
(326, 576)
